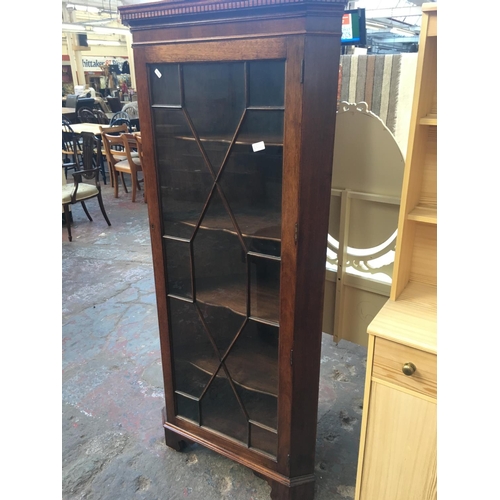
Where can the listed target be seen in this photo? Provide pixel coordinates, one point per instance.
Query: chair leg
(86, 211)
(133, 178)
(101, 205)
(103, 171)
(111, 173)
(68, 221)
(123, 181)
(115, 176)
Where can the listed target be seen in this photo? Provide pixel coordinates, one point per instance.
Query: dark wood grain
(306, 33)
(318, 126)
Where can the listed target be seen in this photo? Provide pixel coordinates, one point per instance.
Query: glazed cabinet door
(218, 140)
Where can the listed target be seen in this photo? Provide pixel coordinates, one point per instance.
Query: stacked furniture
(397, 457)
(238, 108)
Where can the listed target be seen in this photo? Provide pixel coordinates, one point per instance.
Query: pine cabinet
(238, 105)
(397, 455)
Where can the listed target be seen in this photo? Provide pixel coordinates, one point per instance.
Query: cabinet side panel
(290, 209)
(321, 66)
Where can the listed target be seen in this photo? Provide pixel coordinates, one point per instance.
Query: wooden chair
(86, 181)
(122, 160)
(86, 115)
(131, 165)
(132, 109)
(70, 148)
(138, 139)
(101, 116)
(114, 103)
(120, 118)
(118, 152)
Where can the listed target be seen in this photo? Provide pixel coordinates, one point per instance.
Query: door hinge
(302, 68)
(291, 356)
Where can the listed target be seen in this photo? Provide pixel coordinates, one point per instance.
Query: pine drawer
(390, 357)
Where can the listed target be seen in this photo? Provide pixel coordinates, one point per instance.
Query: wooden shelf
(425, 214)
(243, 371)
(265, 225)
(230, 293)
(276, 141)
(430, 119)
(411, 319)
(252, 361)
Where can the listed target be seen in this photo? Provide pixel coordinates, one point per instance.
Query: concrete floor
(112, 392)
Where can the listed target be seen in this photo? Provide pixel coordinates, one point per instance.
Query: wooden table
(69, 114)
(78, 128)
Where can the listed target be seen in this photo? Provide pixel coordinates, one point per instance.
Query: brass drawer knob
(409, 369)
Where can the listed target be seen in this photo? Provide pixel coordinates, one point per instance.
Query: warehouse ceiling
(392, 26)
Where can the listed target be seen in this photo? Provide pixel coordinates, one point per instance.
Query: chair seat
(133, 154)
(123, 166)
(84, 191)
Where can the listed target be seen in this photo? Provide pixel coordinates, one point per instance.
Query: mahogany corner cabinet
(237, 102)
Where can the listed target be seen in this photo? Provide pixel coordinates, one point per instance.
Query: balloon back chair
(86, 183)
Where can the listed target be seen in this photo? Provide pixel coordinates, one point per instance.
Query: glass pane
(264, 440)
(262, 125)
(221, 411)
(165, 88)
(266, 83)
(178, 257)
(216, 106)
(253, 366)
(187, 408)
(185, 179)
(252, 178)
(219, 260)
(222, 323)
(264, 288)
(267, 242)
(195, 359)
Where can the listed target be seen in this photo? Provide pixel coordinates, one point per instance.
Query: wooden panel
(428, 192)
(424, 214)
(362, 306)
(433, 109)
(411, 319)
(432, 28)
(364, 420)
(428, 95)
(388, 362)
(290, 214)
(431, 118)
(320, 77)
(236, 50)
(424, 261)
(400, 456)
